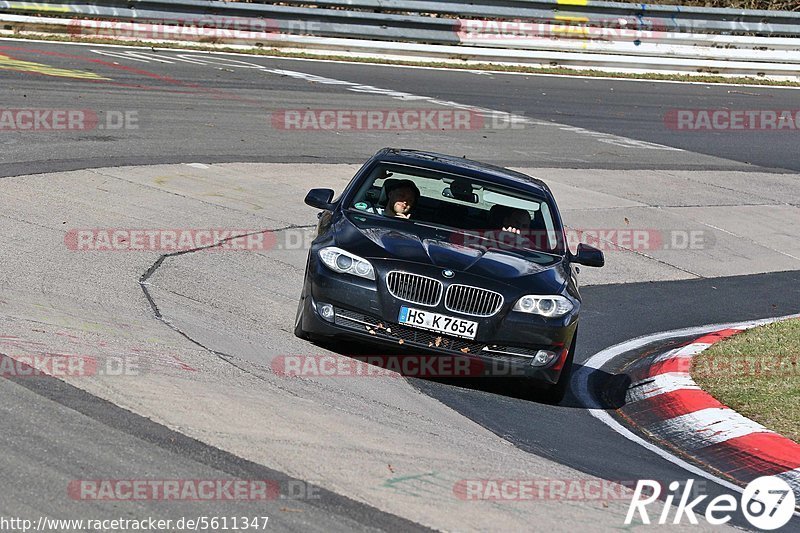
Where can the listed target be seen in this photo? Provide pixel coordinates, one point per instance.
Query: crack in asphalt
(143, 283)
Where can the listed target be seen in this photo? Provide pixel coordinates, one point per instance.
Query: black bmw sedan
(449, 257)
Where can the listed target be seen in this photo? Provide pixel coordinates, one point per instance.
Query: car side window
(368, 198)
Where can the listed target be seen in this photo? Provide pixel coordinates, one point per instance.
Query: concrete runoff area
(378, 440)
(678, 224)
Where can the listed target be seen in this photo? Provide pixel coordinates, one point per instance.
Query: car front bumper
(361, 312)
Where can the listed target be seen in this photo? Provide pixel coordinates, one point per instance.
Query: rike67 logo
(767, 503)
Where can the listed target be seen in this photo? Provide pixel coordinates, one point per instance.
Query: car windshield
(479, 213)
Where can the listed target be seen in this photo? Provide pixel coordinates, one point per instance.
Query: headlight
(549, 306)
(346, 263)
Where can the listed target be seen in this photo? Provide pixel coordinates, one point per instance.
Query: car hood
(402, 240)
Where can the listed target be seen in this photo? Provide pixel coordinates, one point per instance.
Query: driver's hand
(401, 215)
(511, 229)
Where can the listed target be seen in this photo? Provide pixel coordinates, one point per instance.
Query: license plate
(429, 320)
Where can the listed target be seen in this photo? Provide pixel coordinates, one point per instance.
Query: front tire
(554, 394)
(299, 332)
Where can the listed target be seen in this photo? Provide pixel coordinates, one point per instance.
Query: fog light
(542, 358)
(326, 312)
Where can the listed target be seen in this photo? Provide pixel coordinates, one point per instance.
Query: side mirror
(319, 198)
(589, 256)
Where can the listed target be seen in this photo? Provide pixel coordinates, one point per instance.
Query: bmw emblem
(448, 273)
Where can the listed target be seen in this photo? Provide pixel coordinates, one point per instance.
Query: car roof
(462, 166)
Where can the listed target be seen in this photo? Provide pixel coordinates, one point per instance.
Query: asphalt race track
(178, 99)
(198, 146)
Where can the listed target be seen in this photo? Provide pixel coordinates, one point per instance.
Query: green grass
(757, 373)
(275, 52)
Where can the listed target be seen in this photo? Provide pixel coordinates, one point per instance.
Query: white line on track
(418, 67)
(508, 119)
(581, 389)
(201, 57)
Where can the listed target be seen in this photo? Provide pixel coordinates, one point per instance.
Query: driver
(517, 221)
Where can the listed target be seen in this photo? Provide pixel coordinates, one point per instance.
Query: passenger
(402, 197)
